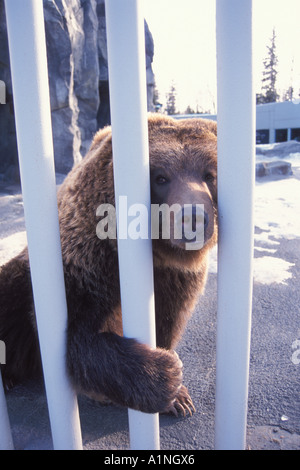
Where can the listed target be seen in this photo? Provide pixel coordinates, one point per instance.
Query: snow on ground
(276, 216)
(11, 246)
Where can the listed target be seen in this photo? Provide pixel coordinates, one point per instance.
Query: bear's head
(183, 173)
(183, 168)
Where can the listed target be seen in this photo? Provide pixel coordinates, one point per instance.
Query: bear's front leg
(127, 372)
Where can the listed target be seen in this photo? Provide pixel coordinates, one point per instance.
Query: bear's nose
(194, 217)
(194, 222)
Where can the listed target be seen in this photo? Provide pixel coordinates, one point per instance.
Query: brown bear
(100, 361)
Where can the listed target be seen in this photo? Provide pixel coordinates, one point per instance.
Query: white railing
(128, 95)
(128, 102)
(27, 47)
(6, 441)
(236, 177)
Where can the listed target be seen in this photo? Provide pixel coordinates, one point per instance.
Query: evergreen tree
(156, 104)
(189, 110)
(269, 93)
(171, 100)
(288, 95)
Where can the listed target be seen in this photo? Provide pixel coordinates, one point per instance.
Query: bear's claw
(182, 403)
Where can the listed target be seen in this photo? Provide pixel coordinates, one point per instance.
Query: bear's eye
(209, 177)
(160, 179)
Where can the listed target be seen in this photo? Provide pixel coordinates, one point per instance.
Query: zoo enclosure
(33, 122)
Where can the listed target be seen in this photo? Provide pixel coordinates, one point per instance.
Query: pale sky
(185, 47)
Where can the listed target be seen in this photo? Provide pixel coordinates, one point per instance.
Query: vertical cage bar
(27, 46)
(128, 99)
(236, 173)
(6, 442)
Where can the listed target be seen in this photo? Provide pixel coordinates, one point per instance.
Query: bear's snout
(195, 218)
(194, 221)
(191, 222)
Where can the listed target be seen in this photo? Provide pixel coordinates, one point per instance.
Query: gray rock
(281, 149)
(78, 80)
(8, 145)
(149, 72)
(260, 170)
(63, 30)
(277, 168)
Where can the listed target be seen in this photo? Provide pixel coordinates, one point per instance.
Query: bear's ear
(211, 126)
(198, 126)
(157, 120)
(100, 136)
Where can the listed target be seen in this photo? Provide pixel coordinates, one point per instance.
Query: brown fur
(100, 361)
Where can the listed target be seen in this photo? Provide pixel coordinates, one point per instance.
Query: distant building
(275, 122)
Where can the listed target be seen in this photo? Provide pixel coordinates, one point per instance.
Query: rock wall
(78, 80)
(8, 145)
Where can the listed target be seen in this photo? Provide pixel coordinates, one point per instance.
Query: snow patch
(276, 216)
(268, 269)
(11, 246)
(277, 210)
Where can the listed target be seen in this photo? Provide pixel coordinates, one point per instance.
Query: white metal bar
(6, 442)
(128, 100)
(236, 134)
(27, 45)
